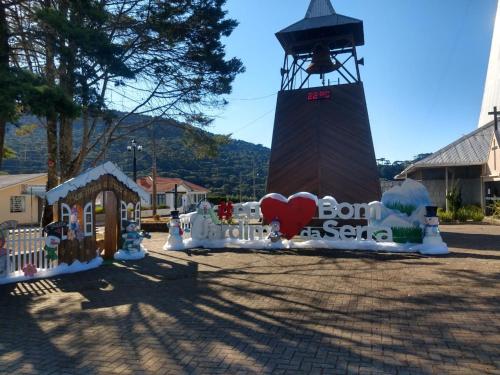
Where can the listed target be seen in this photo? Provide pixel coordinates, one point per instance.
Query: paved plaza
(245, 312)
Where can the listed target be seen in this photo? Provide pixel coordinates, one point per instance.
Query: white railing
(26, 246)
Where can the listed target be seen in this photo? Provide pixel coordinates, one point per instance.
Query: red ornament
(51, 163)
(221, 210)
(293, 213)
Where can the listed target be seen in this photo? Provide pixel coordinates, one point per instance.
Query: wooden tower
(322, 141)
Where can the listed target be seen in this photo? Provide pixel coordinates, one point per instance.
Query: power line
(254, 121)
(251, 99)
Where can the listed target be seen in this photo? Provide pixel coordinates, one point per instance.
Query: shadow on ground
(256, 312)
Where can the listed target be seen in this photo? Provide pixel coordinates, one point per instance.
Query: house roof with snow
(471, 149)
(15, 179)
(93, 174)
(165, 184)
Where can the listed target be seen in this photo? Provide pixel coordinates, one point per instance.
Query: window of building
(17, 203)
(161, 200)
(88, 219)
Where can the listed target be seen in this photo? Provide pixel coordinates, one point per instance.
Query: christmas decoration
(54, 232)
(275, 235)
(131, 236)
(293, 213)
(175, 233)
(29, 270)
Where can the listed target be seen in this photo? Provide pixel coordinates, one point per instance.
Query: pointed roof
(93, 174)
(320, 8)
(471, 149)
(491, 95)
(321, 25)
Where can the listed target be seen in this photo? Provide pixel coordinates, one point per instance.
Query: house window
(123, 211)
(65, 214)
(17, 203)
(87, 219)
(161, 200)
(138, 213)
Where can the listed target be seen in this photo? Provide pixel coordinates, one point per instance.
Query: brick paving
(307, 312)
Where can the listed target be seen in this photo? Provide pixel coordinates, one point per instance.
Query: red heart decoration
(293, 213)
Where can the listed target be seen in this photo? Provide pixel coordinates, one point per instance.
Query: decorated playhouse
(403, 221)
(75, 205)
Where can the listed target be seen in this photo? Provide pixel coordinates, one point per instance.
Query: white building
(188, 193)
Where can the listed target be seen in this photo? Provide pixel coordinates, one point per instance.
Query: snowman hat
(431, 211)
(55, 228)
(126, 223)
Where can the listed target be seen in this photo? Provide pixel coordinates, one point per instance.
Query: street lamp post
(134, 146)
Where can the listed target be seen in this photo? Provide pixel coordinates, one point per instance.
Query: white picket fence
(25, 246)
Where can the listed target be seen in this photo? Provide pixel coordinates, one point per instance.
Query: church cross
(495, 113)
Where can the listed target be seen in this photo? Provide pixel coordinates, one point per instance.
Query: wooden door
(110, 225)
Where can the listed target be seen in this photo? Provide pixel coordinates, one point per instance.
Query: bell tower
(322, 141)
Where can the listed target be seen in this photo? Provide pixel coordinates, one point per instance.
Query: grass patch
(403, 208)
(405, 235)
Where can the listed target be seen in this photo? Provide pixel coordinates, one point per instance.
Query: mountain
(230, 173)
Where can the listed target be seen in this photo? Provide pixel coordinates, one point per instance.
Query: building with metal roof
(471, 163)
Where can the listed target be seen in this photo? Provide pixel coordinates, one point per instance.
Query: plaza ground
(319, 312)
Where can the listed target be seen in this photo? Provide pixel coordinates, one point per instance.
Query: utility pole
(253, 171)
(154, 172)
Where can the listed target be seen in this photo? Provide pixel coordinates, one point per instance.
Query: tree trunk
(51, 119)
(4, 67)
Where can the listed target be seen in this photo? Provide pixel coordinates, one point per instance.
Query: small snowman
(432, 235)
(131, 237)
(54, 234)
(275, 235)
(174, 241)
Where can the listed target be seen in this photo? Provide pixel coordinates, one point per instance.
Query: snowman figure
(54, 234)
(432, 235)
(174, 241)
(275, 235)
(131, 237)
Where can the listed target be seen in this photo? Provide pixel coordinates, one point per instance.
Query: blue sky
(426, 63)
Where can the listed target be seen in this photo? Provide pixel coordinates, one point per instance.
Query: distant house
(22, 197)
(189, 194)
(472, 163)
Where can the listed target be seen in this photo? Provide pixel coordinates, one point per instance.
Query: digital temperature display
(319, 95)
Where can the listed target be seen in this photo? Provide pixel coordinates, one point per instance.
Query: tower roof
(491, 96)
(321, 25)
(320, 8)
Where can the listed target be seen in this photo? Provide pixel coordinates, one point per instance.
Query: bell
(321, 61)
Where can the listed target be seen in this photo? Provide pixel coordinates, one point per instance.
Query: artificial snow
(389, 247)
(131, 255)
(93, 174)
(61, 269)
(283, 199)
(410, 192)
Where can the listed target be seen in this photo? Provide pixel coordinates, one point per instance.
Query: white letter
(329, 227)
(357, 211)
(347, 233)
(327, 208)
(350, 212)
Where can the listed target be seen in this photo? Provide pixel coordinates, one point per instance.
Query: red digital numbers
(319, 95)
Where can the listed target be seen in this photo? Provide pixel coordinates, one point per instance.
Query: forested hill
(235, 166)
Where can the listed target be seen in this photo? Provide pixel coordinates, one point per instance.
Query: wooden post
(446, 193)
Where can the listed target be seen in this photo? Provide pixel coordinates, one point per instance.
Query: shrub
(99, 209)
(445, 216)
(462, 215)
(454, 199)
(477, 217)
